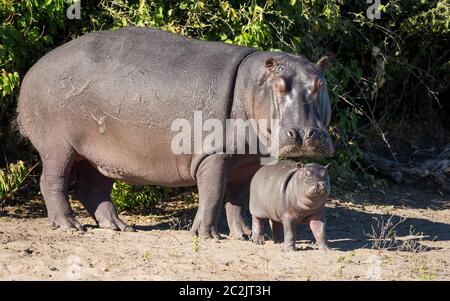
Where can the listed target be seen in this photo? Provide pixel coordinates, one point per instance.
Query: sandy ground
(162, 249)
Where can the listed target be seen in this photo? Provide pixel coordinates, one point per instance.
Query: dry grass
(384, 236)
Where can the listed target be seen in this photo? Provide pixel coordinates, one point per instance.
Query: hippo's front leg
(317, 223)
(257, 230)
(277, 232)
(211, 181)
(289, 222)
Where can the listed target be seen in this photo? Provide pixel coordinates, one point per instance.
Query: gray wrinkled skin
(102, 105)
(288, 195)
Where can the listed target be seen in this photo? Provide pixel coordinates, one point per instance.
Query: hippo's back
(268, 188)
(113, 95)
(131, 73)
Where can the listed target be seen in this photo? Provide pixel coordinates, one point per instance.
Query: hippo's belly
(132, 154)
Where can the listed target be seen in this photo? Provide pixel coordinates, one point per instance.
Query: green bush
(11, 179)
(27, 31)
(126, 196)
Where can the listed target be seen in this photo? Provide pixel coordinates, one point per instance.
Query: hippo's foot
(324, 247)
(240, 231)
(107, 218)
(93, 190)
(258, 239)
(277, 240)
(203, 230)
(288, 248)
(209, 233)
(236, 223)
(115, 224)
(65, 222)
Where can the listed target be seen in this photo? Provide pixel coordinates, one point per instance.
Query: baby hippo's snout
(320, 189)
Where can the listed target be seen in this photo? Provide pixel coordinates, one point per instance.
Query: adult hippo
(103, 104)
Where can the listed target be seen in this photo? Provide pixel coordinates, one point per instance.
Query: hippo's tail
(25, 102)
(16, 126)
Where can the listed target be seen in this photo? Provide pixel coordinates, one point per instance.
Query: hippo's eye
(280, 68)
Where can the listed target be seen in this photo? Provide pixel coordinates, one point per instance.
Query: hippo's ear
(325, 62)
(328, 167)
(270, 63)
(300, 165)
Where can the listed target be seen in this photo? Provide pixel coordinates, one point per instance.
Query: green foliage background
(387, 71)
(129, 197)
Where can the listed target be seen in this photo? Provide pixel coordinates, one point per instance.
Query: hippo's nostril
(311, 133)
(292, 133)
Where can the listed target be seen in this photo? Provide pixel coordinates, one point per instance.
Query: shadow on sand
(347, 229)
(348, 226)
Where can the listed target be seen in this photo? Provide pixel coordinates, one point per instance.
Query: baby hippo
(288, 194)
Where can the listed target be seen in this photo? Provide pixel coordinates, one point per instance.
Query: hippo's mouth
(291, 152)
(317, 190)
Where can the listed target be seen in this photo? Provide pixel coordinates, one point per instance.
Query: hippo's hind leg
(93, 190)
(57, 160)
(277, 232)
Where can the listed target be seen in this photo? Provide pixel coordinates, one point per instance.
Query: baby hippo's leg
(277, 232)
(257, 230)
(317, 223)
(289, 225)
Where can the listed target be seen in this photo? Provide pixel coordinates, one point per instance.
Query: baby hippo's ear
(300, 165)
(328, 167)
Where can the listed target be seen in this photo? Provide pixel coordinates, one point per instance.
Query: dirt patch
(162, 249)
